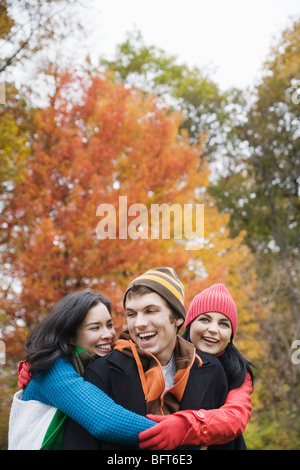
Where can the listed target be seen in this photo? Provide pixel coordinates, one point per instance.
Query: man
(152, 369)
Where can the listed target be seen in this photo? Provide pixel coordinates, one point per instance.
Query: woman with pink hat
(211, 325)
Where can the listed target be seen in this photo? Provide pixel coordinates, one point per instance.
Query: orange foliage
(95, 142)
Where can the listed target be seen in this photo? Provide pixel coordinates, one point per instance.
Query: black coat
(117, 375)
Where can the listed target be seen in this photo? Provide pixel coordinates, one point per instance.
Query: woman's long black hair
(50, 339)
(234, 364)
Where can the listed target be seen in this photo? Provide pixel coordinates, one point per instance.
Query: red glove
(202, 427)
(24, 377)
(166, 435)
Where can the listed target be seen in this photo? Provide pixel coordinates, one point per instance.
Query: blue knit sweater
(60, 386)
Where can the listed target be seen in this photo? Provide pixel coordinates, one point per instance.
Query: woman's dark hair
(234, 364)
(50, 339)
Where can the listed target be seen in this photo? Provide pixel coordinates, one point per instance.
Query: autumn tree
(95, 142)
(28, 27)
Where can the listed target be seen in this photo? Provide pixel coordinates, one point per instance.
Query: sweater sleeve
(222, 425)
(86, 404)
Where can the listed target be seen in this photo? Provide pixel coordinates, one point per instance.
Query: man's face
(150, 325)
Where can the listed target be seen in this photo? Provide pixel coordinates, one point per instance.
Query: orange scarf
(151, 374)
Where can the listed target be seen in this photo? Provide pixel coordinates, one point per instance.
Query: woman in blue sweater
(77, 330)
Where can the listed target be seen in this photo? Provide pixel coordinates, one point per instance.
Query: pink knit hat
(214, 299)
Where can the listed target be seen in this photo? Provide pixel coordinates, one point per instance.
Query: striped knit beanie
(214, 299)
(165, 282)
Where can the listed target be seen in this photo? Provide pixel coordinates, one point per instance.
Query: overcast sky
(231, 37)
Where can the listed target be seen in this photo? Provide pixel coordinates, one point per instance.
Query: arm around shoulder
(89, 406)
